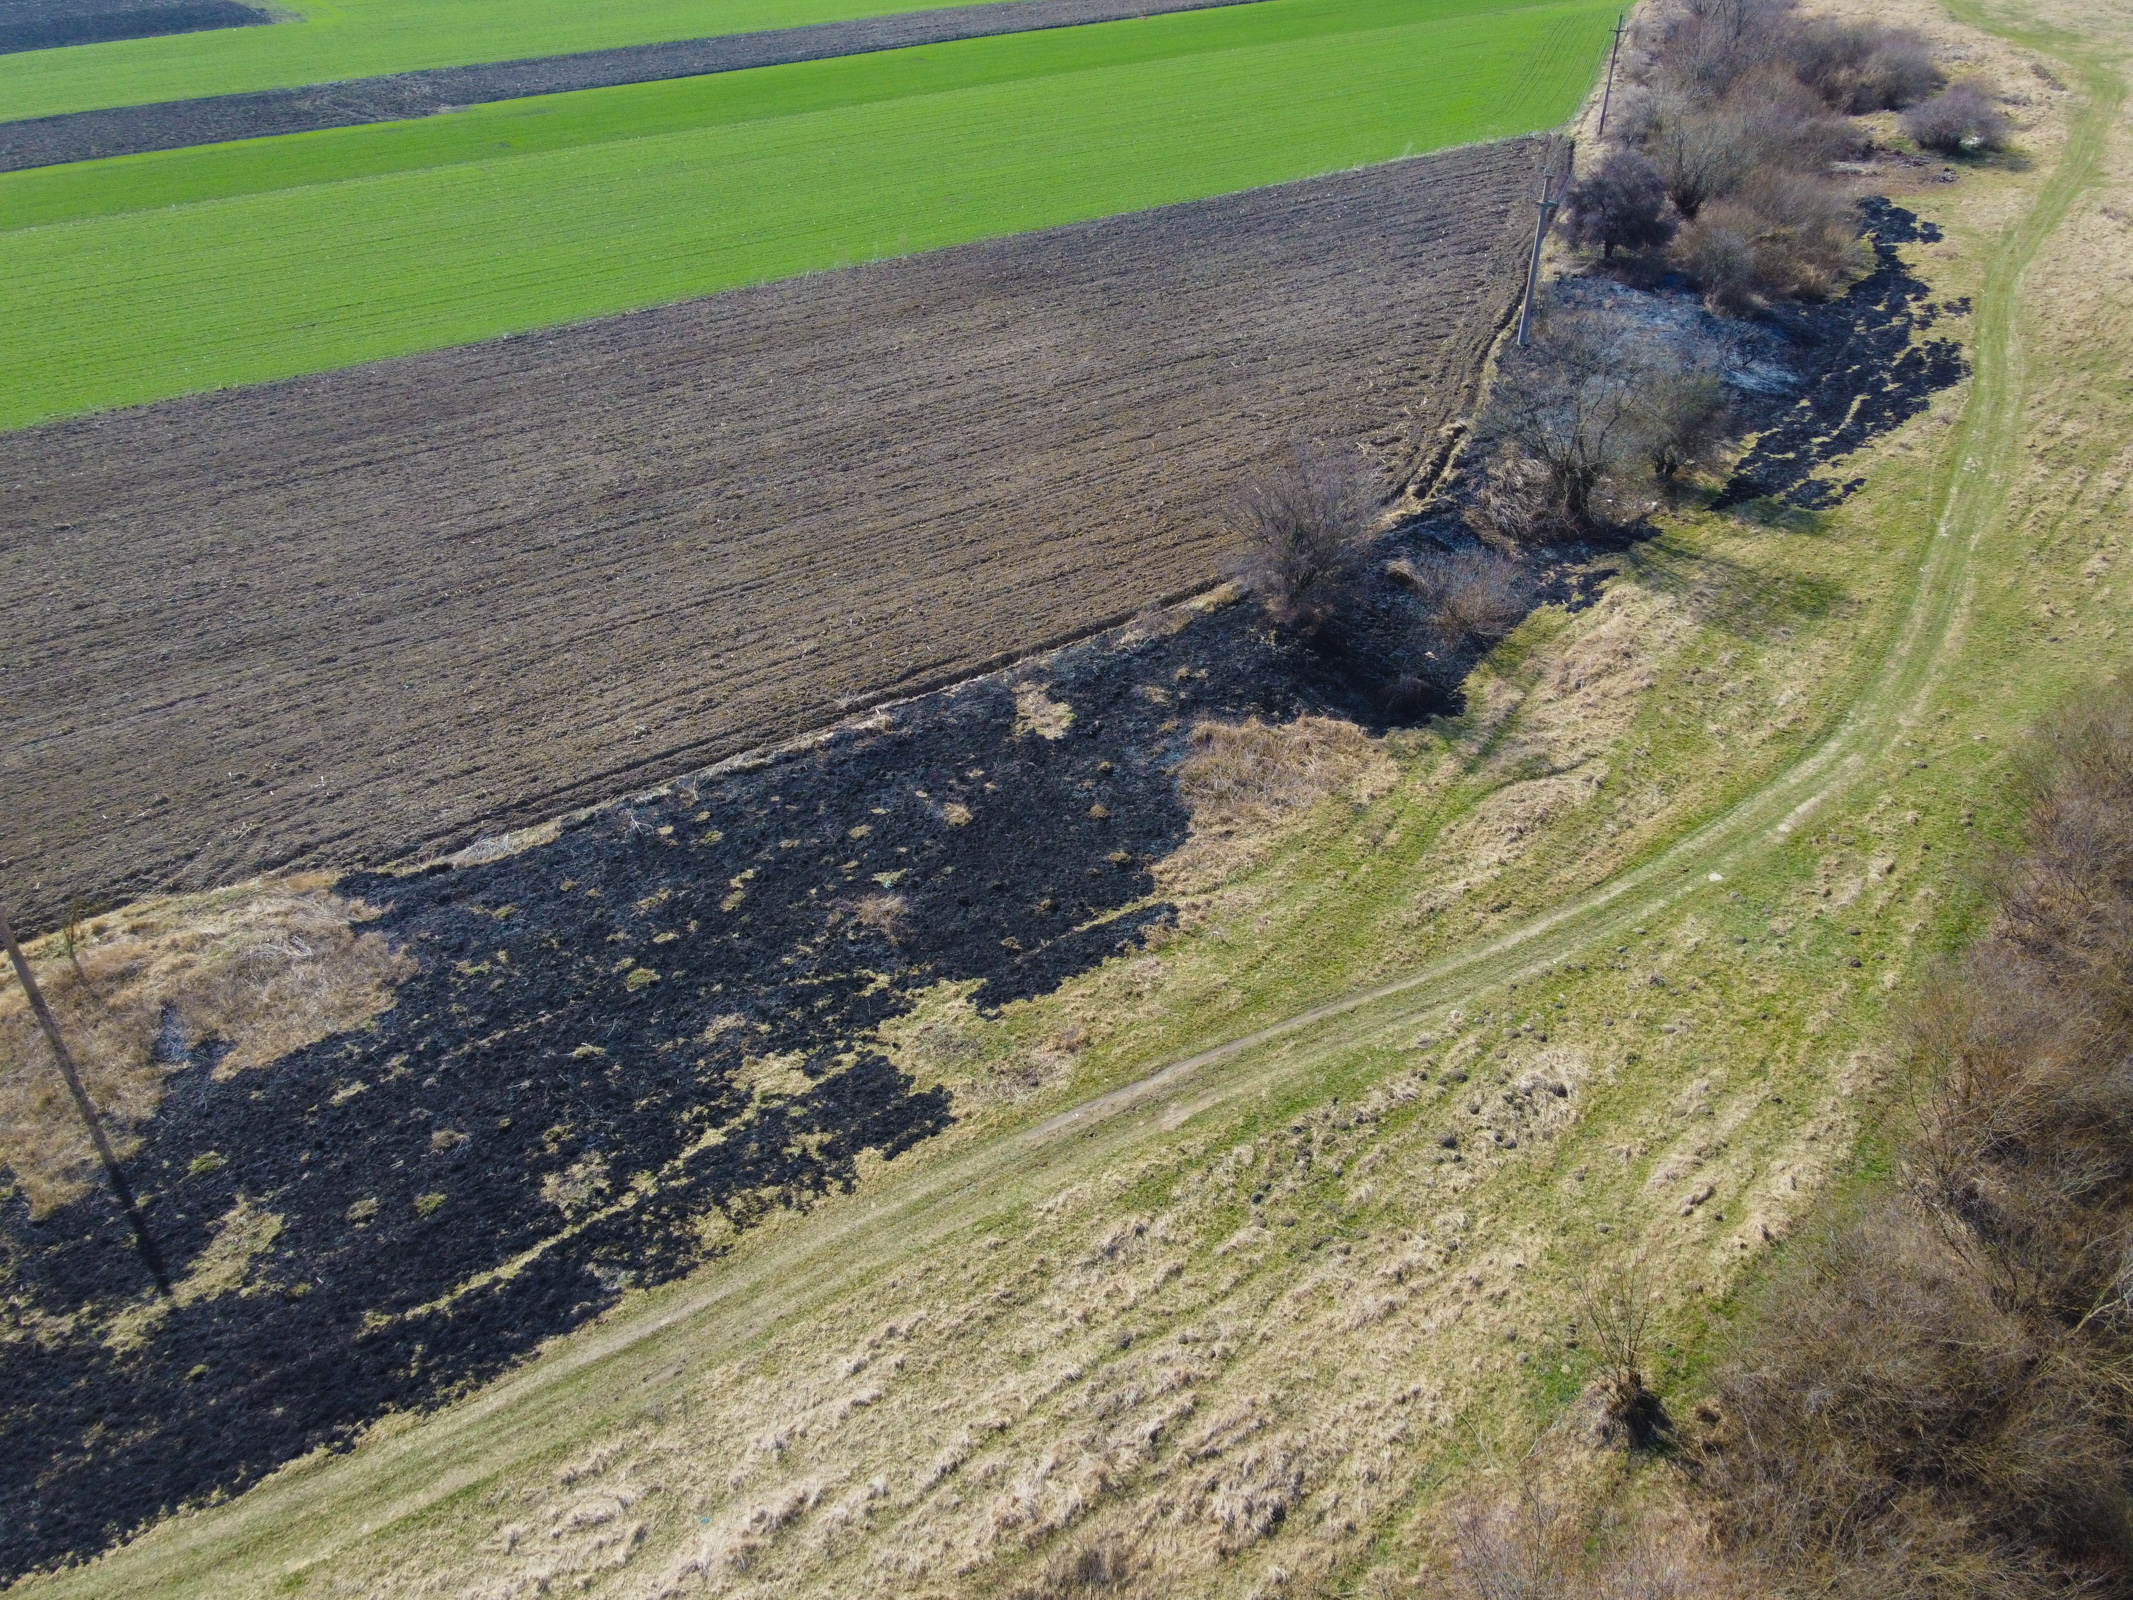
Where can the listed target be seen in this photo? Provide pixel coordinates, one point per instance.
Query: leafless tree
(1622, 205)
(1961, 119)
(1305, 524)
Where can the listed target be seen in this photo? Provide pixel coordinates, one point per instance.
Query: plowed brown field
(342, 618)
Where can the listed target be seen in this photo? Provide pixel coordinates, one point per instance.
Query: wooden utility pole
(85, 1106)
(1547, 204)
(1607, 94)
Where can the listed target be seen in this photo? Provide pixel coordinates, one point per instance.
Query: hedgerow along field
(362, 38)
(248, 262)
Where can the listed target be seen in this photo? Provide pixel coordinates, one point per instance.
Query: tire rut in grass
(621, 1047)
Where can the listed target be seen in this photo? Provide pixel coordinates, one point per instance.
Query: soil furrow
(380, 607)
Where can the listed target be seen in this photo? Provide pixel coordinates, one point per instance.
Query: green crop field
(360, 38)
(241, 263)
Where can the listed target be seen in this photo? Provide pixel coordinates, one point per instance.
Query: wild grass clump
(1253, 771)
(1961, 120)
(1935, 1402)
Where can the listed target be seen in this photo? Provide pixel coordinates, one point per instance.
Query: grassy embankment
(246, 262)
(1228, 1316)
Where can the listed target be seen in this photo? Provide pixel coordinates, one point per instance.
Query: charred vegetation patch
(620, 1047)
(56, 24)
(1864, 371)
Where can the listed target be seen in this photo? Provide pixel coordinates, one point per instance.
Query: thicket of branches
(1730, 114)
(1591, 424)
(1306, 528)
(1938, 1402)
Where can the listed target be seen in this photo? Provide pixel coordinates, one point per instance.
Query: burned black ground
(590, 1018)
(1863, 371)
(55, 24)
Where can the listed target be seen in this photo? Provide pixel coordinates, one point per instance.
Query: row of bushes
(1937, 1400)
(1731, 113)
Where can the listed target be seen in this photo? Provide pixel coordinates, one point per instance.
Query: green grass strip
(362, 38)
(596, 116)
(119, 309)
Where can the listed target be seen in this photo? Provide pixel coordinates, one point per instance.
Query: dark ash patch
(409, 1159)
(1862, 375)
(56, 24)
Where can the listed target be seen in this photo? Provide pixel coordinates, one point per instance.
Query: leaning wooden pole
(1607, 94)
(1547, 206)
(84, 1105)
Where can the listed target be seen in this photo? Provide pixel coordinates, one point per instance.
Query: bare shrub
(1858, 67)
(1686, 418)
(1475, 594)
(1934, 1403)
(1521, 1546)
(1621, 206)
(1615, 1313)
(1305, 524)
(1563, 420)
(1703, 47)
(1698, 152)
(1962, 119)
(1578, 426)
(1782, 235)
(1529, 1543)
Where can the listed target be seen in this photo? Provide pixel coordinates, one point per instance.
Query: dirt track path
(275, 1529)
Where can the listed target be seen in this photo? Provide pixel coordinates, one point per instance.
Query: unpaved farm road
(378, 1492)
(340, 619)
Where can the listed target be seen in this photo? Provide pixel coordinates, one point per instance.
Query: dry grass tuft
(261, 969)
(883, 913)
(1242, 781)
(1253, 771)
(1036, 712)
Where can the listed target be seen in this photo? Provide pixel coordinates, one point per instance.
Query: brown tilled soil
(350, 102)
(343, 618)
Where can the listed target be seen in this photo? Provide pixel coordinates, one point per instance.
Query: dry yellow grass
(1243, 781)
(1236, 1331)
(263, 968)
